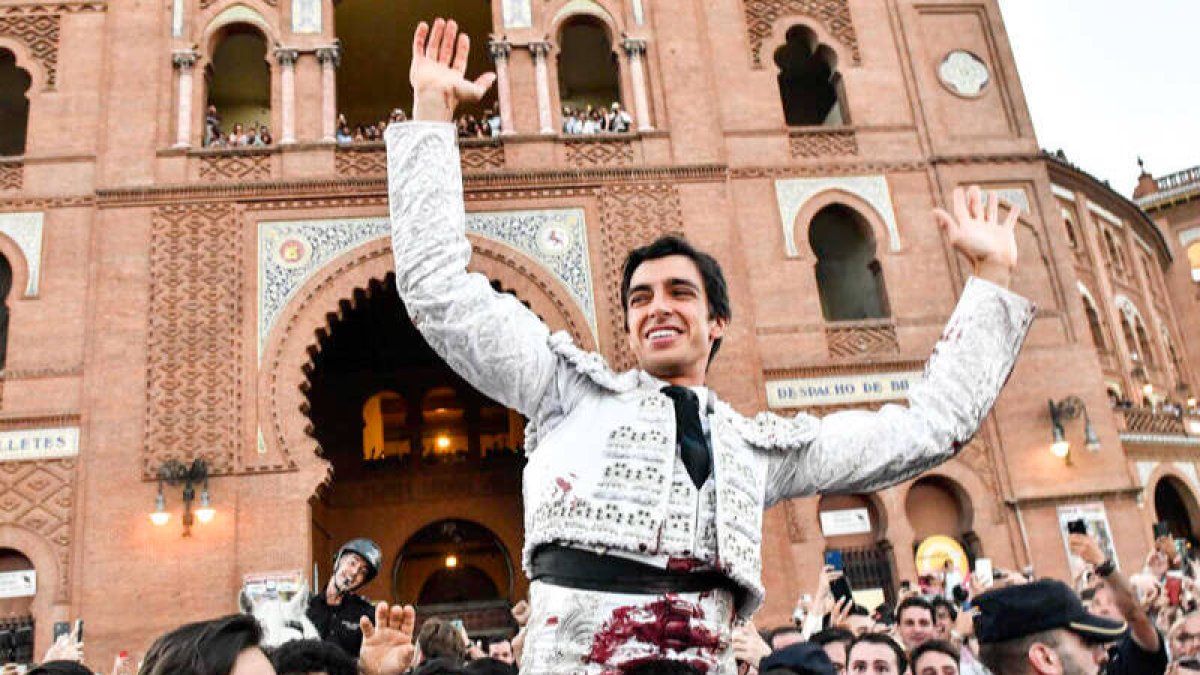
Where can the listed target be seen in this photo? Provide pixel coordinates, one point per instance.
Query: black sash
(584, 570)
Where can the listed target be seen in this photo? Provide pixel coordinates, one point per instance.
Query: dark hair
(60, 668)
(299, 657)
(940, 646)
(939, 601)
(881, 639)
(1012, 656)
(487, 666)
(715, 288)
(918, 602)
(831, 635)
(440, 639)
(662, 667)
(202, 648)
(781, 630)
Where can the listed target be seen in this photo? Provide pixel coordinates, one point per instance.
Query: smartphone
(1161, 529)
(61, 628)
(1077, 526)
(78, 630)
(984, 571)
(835, 560)
(840, 588)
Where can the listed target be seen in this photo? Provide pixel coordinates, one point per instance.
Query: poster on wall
(1095, 519)
(18, 584)
(273, 586)
(845, 521)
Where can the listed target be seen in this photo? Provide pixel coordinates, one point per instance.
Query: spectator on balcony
(264, 135)
(237, 137)
(212, 126)
(619, 121)
(493, 120)
(250, 138)
(570, 121)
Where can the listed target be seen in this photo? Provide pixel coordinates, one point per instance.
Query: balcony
(1150, 421)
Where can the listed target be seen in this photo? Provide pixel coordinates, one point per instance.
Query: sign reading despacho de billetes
(27, 444)
(818, 391)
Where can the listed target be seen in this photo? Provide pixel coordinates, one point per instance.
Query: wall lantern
(175, 473)
(1070, 408)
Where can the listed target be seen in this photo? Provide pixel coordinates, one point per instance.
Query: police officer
(336, 612)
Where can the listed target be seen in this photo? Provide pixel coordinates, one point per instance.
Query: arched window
(849, 277)
(1094, 325)
(385, 427)
(1069, 225)
(1144, 344)
(588, 71)
(1193, 254)
(1114, 251)
(14, 105)
(1130, 342)
(443, 423)
(239, 87)
(372, 79)
(809, 84)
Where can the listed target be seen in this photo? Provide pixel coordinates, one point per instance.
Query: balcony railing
(1179, 178)
(1149, 421)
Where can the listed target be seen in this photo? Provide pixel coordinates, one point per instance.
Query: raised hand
(978, 233)
(387, 647)
(439, 64)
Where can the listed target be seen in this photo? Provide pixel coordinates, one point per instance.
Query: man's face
(669, 329)
(1185, 638)
(786, 639)
(944, 623)
(836, 651)
(350, 573)
(875, 659)
(1076, 656)
(1102, 604)
(916, 627)
(501, 651)
(935, 663)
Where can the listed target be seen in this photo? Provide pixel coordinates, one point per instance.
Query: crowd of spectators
(238, 136)
(589, 120)
(997, 622)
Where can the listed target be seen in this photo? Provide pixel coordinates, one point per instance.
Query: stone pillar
(184, 62)
(635, 49)
(287, 90)
(330, 57)
(540, 51)
(499, 50)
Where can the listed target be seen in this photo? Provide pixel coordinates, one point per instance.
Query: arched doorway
(849, 276)
(854, 527)
(239, 86)
(18, 586)
(372, 79)
(1175, 505)
(411, 443)
(944, 543)
(588, 70)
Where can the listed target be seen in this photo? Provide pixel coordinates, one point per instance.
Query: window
(239, 87)
(809, 84)
(14, 105)
(443, 424)
(1069, 224)
(385, 427)
(1193, 254)
(1094, 325)
(5, 287)
(1130, 343)
(849, 277)
(588, 74)
(1144, 344)
(1114, 251)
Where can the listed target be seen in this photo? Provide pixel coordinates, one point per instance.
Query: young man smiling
(644, 492)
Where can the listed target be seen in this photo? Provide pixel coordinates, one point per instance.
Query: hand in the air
(387, 647)
(978, 233)
(439, 64)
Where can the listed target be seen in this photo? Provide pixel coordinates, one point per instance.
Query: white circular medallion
(964, 73)
(554, 239)
(293, 252)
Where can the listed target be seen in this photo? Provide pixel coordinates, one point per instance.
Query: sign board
(27, 444)
(269, 586)
(819, 391)
(845, 521)
(19, 584)
(1096, 520)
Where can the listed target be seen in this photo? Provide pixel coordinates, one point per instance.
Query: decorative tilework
(793, 193)
(1188, 469)
(290, 253)
(25, 229)
(306, 16)
(1144, 469)
(964, 73)
(517, 14)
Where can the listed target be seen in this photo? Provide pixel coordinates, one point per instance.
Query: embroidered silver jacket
(601, 445)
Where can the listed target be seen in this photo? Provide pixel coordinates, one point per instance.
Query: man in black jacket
(337, 611)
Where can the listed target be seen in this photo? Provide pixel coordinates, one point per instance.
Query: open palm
(438, 71)
(977, 231)
(387, 647)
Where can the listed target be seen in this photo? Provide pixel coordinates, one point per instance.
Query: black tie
(693, 445)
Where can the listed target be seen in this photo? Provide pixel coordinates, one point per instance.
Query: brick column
(330, 57)
(184, 62)
(499, 51)
(540, 51)
(635, 48)
(287, 90)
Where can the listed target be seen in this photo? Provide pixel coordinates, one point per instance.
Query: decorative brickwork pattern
(366, 161)
(861, 339)
(39, 32)
(241, 166)
(205, 4)
(631, 216)
(599, 153)
(12, 175)
(38, 496)
(833, 15)
(823, 143)
(482, 157)
(194, 349)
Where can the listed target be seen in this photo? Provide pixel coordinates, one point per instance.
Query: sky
(1110, 80)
